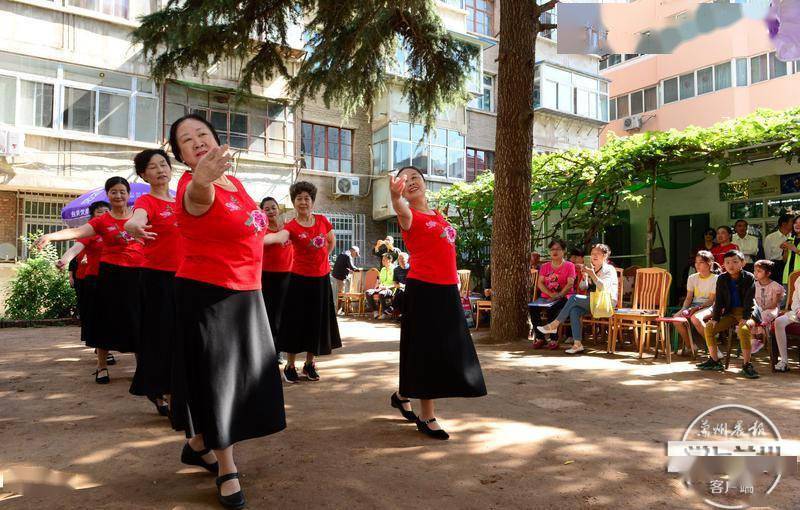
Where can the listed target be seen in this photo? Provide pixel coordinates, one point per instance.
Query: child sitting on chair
(700, 290)
(733, 306)
(769, 296)
(788, 323)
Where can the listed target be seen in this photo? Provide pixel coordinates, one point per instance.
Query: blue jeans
(577, 306)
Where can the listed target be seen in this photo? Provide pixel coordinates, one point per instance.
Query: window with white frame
(118, 8)
(95, 101)
(570, 92)
(349, 231)
(255, 125)
(485, 101)
(616, 59)
(440, 153)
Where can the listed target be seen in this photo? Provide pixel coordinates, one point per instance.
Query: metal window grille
(393, 229)
(349, 230)
(41, 212)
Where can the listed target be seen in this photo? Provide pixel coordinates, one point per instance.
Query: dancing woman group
(183, 283)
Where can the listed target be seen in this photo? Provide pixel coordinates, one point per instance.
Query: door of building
(685, 233)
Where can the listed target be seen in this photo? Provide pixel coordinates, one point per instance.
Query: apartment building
(76, 103)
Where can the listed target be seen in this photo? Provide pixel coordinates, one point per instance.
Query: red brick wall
(8, 218)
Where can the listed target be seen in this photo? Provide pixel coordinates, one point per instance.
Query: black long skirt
(309, 322)
(274, 287)
(154, 353)
(118, 311)
(437, 356)
(86, 289)
(226, 382)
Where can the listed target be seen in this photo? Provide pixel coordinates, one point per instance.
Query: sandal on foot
(397, 403)
(101, 379)
(194, 458)
(235, 500)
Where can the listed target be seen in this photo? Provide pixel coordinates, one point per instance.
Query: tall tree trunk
(511, 222)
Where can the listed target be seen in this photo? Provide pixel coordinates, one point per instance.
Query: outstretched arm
(396, 186)
(70, 254)
(277, 238)
(66, 235)
(138, 227)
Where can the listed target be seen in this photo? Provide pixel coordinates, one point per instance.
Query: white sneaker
(547, 329)
(781, 366)
(375, 315)
(575, 350)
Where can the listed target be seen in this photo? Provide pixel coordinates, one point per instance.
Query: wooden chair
(485, 306)
(463, 279)
(596, 325)
(354, 294)
(370, 279)
(649, 303)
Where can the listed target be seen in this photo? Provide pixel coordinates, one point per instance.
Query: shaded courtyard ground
(555, 432)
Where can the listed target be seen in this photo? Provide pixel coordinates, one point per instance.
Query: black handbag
(658, 255)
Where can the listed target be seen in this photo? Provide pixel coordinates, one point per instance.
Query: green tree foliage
(350, 46)
(39, 290)
(587, 188)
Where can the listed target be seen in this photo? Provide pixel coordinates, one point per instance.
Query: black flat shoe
(110, 360)
(101, 379)
(422, 426)
(194, 458)
(235, 500)
(398, 404)
(162, 408)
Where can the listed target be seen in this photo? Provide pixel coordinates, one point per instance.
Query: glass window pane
(455, 163)
(257, 126)
(637, 102)
(549, 94)
(97, 76)
(418, 133)
(670, 90)
(758, 69)
(777, 68)
(238, 123)
(722, 76)
(257, 145)
(705, 80)
(220, 121)
(650, 99)
(612, 108)
(145, 85)
(741, 72)
(438, 161)
(401, 130)
(565, 97)
(277, 130)
(319, 141)
(8, 95)
(346, 137)
(420, 159)
(604, 108)
(277, 111)
(37, 104)
(622, 107)
(687, 85)
(78, 109)
(238, 141)
(401, 154)
(113, 118)
(146, 119)
(30, 65)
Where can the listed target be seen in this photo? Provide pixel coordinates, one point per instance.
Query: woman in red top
(226, 380)
(88, 250)
(276, 268)
(309, 322)
(437, 356)
(118, 310)
(155, 222)
(724, 245)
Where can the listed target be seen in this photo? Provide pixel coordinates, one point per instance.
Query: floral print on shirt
(257, 220)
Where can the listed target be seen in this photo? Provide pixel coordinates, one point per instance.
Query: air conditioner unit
(346, 186)
(11, 142)
(632, 122)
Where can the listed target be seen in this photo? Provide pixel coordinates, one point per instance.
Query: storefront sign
(744, 189)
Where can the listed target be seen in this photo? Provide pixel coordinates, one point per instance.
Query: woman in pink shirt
(556, 284)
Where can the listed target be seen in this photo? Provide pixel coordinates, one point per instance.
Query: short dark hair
(303, 186)
(740, 221)
(734, 253)
(559, 242)
(576, 252)
(784, 217)
(141, 160)
(173, 133)
(113, 181)
(767, 265)
(602, 247)
(411, 167)
(710, 231)
(97, 205)
(265, 200)
(727, 229)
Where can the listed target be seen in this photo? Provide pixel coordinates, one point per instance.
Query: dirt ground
(554, 432)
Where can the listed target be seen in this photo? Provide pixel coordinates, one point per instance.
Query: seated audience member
(733, 306)
(769, 296)
(399, 277)
(773, 243)
(708, 244)
(535, 259)
(556, 283)
(748, 244)
(383, 287)
(700, 290)
(724, 245)
(791, 250)
(598, 275)
(385, 246)
(578, 258)
(787, 324)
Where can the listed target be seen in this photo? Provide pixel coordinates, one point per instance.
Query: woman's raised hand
(43, 241)
(397, 185)
(212, 165)
(142, 232)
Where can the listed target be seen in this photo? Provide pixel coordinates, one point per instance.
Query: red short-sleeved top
(90, 265)
(119, 247)
(225, 245)
(164, 252)
(278, 258)
(310, 247)
(720, 250)
(431, 243)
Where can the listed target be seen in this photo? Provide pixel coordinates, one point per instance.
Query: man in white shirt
(773, 242)
(747, 244)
